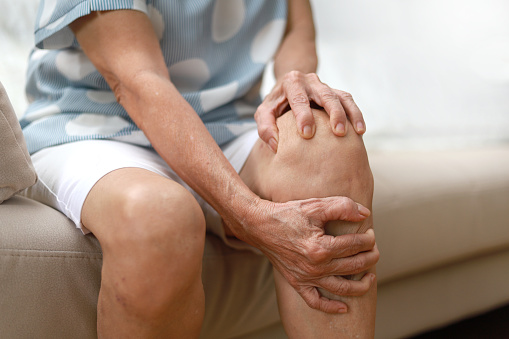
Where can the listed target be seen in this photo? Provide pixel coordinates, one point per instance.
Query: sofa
(441, 220)
(441, 211)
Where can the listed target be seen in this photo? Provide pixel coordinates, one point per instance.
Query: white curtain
(16, 38)
(426, 73)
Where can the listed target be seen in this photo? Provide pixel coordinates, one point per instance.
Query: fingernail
(343, 310)
(273, 144)
(307, 132)
(363, 210)
(340, 128)
(360, 126)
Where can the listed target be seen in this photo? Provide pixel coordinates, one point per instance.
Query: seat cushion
(50, 274)
(50, 278)
(437, 208)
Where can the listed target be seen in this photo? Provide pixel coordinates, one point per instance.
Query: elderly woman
(142, 132)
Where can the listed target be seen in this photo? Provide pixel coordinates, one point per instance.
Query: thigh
(68, 172)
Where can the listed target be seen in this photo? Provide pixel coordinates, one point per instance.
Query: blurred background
(426, 73)
(16, 39)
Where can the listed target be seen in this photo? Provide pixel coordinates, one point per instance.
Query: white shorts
(68, 172)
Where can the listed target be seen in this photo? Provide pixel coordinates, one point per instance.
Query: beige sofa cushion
(16, 170)
(439, 208)
(50, 276)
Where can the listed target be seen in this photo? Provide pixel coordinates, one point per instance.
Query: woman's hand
(297, 91)
(292, 236)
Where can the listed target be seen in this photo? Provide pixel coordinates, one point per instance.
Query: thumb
(344, 208)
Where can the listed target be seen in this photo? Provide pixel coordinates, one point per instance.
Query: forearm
(180, 137)
(131, 61)
(298, 49)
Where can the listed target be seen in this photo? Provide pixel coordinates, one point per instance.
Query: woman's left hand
(297, 90)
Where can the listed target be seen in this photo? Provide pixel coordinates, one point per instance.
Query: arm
(130, 59)
(297, 84)
(123, 47)
(298, 49)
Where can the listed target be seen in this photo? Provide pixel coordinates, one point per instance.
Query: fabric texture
(216, 53)
(454, 202)
(16, 169)
(51, 274)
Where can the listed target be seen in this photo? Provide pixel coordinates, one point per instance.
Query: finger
(267, 128)
(314, 300)
(348, 245)
(298, 99)
(343, 208)
(327, 98)
(352, 111)
(344, 287)
(358, 263)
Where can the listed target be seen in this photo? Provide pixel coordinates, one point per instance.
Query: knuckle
(343, 288)
(372, 244)
(299, 99)
(345, 248)
(358, 243)
(260, 113)
(377, 254)
(365, 243)
(313, 303)
(317, 254)
(293, 76)
(345, 95)
(262, 128)
(313, 77)
(310, 297)
(329, 96)
(264, 132)
(343, 209)
(356, 265)
(346, 204)
(377, 258)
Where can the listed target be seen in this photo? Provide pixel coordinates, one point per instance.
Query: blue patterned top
(215, 50)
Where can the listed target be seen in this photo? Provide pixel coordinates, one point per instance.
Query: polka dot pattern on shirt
(215, 51)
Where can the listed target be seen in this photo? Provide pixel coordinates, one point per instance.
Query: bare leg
(152, 233)
(324, 166)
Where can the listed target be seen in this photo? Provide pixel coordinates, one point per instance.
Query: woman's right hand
(292, 236)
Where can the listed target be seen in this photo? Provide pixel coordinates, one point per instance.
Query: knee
(155, 254)
(325, 165)
(153, 212)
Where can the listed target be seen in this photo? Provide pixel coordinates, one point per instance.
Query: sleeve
(54, 16)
